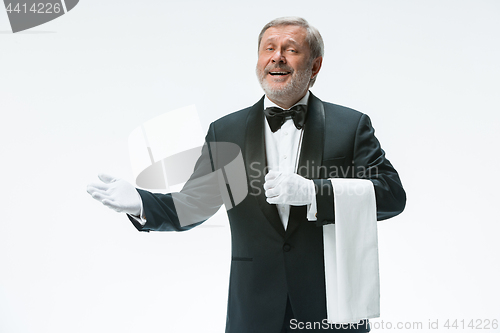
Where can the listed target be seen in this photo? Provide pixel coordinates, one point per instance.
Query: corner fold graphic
(70, 4)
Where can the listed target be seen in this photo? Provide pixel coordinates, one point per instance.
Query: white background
(71, 91)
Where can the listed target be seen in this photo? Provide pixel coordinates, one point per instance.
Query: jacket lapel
(311, 155)
(256, 164)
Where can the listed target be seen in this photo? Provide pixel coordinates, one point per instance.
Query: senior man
(289, 141)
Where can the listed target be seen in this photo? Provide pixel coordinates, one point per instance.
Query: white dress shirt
(282, 153)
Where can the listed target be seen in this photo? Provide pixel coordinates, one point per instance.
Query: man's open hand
(288, 189)
(116, 194)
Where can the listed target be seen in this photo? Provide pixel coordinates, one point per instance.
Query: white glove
(116, 194)
(288, 189)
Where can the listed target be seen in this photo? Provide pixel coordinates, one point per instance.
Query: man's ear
(316, 66)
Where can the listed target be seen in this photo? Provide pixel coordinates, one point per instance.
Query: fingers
(272, 192)
(97, 194)
(288, 188)
(273, 174)
(106, 178)
(272, 179)
(104, 198)
(116, 194)
(112, 205)
(98, 186)
(101, 191)
(272, 186)
(274, 201)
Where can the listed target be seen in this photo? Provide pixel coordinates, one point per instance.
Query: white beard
(296, 86)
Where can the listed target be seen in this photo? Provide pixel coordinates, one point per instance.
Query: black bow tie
(276, 116)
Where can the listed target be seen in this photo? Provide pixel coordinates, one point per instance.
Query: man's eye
(269, 49)
(292, 50)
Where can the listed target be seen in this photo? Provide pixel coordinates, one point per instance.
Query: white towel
(351, 253)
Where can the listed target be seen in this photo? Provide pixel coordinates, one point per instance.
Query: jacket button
(286, 247)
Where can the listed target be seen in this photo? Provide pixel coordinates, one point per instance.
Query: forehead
(287, 33)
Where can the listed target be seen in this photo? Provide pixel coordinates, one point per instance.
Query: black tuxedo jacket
(270, 263)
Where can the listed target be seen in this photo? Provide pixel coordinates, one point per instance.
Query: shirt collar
(303, 101)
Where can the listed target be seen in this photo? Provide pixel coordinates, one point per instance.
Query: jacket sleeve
(370, 163)
(198, 200)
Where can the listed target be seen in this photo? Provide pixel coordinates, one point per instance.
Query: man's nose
(278, 57)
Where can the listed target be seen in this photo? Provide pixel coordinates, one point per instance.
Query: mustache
(278, 66)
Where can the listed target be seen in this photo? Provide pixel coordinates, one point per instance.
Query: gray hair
(313, 37)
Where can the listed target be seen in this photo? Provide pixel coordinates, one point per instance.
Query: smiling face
(284, 67)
